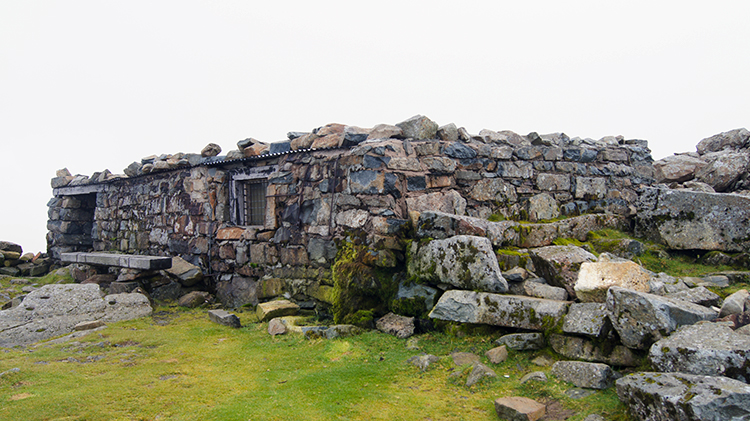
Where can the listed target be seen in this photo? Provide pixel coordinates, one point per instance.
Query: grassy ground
(177, 365)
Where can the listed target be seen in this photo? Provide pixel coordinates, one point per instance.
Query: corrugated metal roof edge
(264, 156)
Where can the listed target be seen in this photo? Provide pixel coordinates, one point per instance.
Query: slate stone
(169, 292)
(641, 319)
(711, 349)
(225, 318)
(584, 374)
(279, 147)
(187, 273)
(678, 396)
(459, 150)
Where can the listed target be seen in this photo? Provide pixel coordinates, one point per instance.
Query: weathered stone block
(499, 310)
(575, 347)
(278, 308)
(584, 374)
(595, 278)
(225, 318)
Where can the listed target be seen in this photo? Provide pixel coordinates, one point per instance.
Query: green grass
(177, 365)
(13, 289)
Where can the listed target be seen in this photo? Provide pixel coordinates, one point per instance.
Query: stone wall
(338, 184)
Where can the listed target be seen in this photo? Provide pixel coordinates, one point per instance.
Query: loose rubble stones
(684, 397)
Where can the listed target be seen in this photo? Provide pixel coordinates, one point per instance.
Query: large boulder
(677, 168)
(724, 169)
(499, 310)
(595, 278)
(684, 397)
(641, 318)
(710, 349)
(733, 139)
(464, 261)
(588, 319)
(689, 220)
(54, 310)
(559, 265)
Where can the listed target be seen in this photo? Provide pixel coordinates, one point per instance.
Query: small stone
(412, 344)
(497, 355)
(522, 341)
(543, 361)
(516, 408)
(398, 326)
(423, 362)
(211, 149)
(194, 299)
(535, 376)
(276, 327)
(479, 372)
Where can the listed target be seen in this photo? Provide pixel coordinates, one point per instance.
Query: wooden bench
(121, 260)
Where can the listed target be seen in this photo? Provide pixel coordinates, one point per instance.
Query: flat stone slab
(709, 349)
(278, 308)
(120, 260)
(584, 374)
(499, 310)
(679, 396)
(517, 408)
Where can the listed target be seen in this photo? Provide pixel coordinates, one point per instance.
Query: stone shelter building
(268, 220)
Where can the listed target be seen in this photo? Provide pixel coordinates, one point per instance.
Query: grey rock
(542, 206)
(584, 374)
(464, 261)
(719, 281)
(169, 292)
(341, 331)
(54, 310)
(122, 287)
(735, 303)
(699, 295)
(187, 273)
(499, 310)
(237, 291)
(733, 139)
(575, 347)
(590, 319)
(418, 127)
(210, 150)
(478, 373)
(724, 169)
(448, 133)
(642, 319)
(522, 341)
(385, 131)
(409, 292)
(711, 349)
(559, 265)
(194, 299)
(684, 397)
(398, 326)
(540, 290)
(687, 220)
(677, 168)
(423, 362)
(225, 318)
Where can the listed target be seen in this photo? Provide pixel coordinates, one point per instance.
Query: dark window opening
(255, 202)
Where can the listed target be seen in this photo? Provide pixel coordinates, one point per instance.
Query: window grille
(255, 202)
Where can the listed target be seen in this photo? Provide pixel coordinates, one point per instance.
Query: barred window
(254, 192)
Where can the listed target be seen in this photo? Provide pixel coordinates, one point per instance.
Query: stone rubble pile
(14, 262)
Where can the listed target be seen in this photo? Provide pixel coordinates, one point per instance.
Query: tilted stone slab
(711, 349)
(684, 397)
(559, 265)
(689, 220)
(120, 260)
(499, 310)
(278, 308)
(464, 261)
(595, 278)
(225, 318)
(642, 319)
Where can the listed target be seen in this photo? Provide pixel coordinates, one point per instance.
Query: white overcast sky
(90, 85)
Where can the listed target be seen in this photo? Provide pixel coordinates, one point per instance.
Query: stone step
(120, 260)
